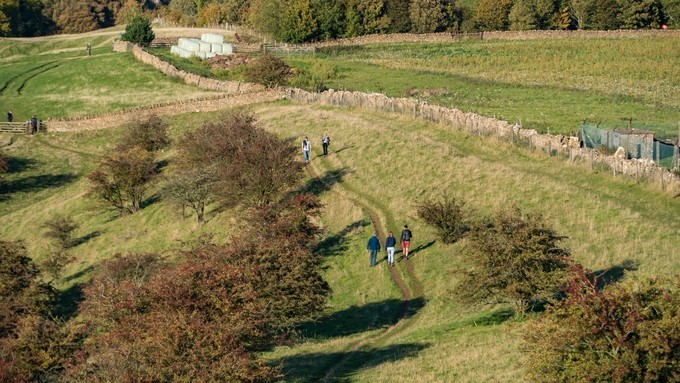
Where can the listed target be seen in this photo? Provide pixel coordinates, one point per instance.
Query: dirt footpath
(169, 109)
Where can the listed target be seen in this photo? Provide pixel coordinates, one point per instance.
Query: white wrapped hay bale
(216, 48)
(227, 49)
(203, 46)
(200, 54)
(189, 44)
(212, 38)
(210, 55)
(181, 52)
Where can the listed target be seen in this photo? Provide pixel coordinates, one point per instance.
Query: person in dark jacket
(406, 236)
(373, 248)
(325, 141)
(10, 116)
(390, 244)
(34, 124)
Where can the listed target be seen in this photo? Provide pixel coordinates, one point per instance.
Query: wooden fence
(21, 127)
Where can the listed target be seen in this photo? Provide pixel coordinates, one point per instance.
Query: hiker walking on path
(390, 243)
(306, 147)
(406, 236)
(325, 140)
(10, 116)
(34, 124)
(373, 248)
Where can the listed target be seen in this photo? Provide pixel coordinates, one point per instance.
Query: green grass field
(547, 85)
(379, 163)
(56, 79)
(387, 164)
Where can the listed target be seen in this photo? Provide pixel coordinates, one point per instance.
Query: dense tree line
(312, 20)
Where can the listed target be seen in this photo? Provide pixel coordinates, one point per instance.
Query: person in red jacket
(406, 236)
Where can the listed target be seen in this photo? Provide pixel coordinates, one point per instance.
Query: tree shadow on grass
(86, 237)
(324, 182)
(66, 305)
(603, 278)
(79, 274)
(18, 165)
(414, 251)
(357, 319)
(33, 184)
(314, 367)
(494, 317)
(150, 201)
(337, 244)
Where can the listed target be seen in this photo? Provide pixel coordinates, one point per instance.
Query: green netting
(636, 145)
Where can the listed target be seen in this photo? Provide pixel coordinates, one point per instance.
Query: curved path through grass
(409, 290)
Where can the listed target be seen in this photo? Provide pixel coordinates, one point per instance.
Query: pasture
(381, 166)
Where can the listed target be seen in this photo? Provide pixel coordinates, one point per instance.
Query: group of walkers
(373, 246)
(307, 146)
(33, 122)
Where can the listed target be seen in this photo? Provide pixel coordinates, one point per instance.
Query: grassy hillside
(548, 85)
(54, 78)
(380, 165)
(386, 164)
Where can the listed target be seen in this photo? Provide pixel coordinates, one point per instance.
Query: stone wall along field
(493, 129)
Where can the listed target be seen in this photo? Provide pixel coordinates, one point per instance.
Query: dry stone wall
(205, 104)
(493, 129)
(194, 79)
(499, 35)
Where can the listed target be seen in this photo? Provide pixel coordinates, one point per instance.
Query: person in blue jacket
(373, 248)
(390, 244)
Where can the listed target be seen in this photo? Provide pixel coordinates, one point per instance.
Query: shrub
(150, 134)
(33, 346)
(55, 263)
(4, 163)
(628, 332)
(253, 167)
(192, 187)
(267, 70)
(448, 216)
(60, 229)
(514, 258)
(123, 178)
(198, 319)
(139, 31)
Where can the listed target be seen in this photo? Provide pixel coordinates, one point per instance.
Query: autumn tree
(329, 19)
(150, 134)
(628, 332)
(193, 187)
(426, 16)
(254, 167)
(123, 178)
(514, 258)
(298, 22)
(268, 70)
(197, 319)
(364, 17)
(606, 15)
(73, 17)
(397, 11)
(640, 14)
(33, 346)
(493, 14)
(522, 16)
(4, 163)
(582, 10)
(448, 215)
